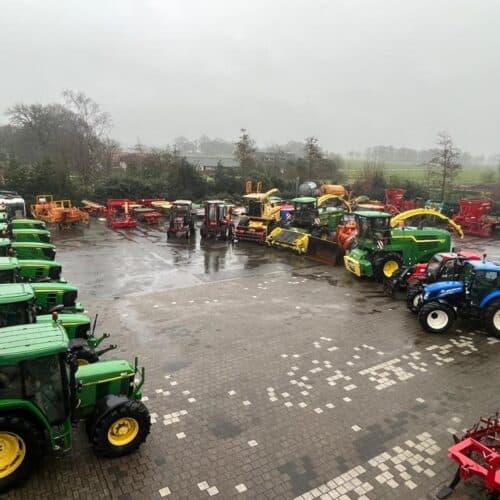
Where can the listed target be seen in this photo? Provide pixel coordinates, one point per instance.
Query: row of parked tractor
(372, 239)
(51, 375)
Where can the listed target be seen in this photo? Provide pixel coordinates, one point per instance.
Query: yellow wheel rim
(82, 362)
(123, 431)
(12, 453)
(390, 267)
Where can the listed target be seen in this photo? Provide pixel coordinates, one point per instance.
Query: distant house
(274, 156)
(207, 164)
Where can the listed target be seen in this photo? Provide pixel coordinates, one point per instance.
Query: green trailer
(34, 250)
(44, 393)
(380, 251)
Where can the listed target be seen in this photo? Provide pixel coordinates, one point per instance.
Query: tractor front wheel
(414, 298)
(385, 265)
(492, 318)
(122, 430)
(436, 317)
(21, 446)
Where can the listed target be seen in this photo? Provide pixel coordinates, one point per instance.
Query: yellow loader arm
(425, 211)
(323, 199)
(265, 196)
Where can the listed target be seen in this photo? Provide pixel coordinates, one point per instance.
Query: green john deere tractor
(380, 251)
(43, 392)
(27, 223)
(13, 270)
(18, 306)
(34, 250)
(30, 234)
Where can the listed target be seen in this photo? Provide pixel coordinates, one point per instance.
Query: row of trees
(66, 149)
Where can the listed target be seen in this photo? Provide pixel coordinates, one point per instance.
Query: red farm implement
(474, 217)
(477, 455)
(395, 201)
(118, 216)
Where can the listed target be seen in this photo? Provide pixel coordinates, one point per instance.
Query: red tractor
(474, 217)
(217, 221)
(442, 265)
(181, 221)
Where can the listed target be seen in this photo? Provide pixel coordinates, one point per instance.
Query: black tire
(414, 298)
(491, 318)
(380, 260)
(223, 233)
(33, 444)
(435, 317)
(130, 409)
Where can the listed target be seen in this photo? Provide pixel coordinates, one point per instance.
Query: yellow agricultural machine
(312, 225)
(60, 212)
(261, 216)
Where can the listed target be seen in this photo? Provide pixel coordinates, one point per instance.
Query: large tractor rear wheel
(122, 430)
(386, 264)
(492, 318)
(21, 446)
(436, 317)
(414, 298)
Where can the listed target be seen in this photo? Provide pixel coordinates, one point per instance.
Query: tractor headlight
(426, 295)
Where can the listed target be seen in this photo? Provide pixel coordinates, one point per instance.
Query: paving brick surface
(274, 381)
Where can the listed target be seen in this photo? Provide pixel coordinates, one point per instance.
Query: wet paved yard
(269, 376)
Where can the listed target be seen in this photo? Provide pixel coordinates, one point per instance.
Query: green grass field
(470, 174)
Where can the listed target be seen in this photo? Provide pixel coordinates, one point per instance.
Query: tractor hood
(104, 371)
(443, 289)
(66, 319)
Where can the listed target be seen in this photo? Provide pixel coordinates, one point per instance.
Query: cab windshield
(45, 381)
(42, 381)
(16, 313)
(434, 265)
(8, 276)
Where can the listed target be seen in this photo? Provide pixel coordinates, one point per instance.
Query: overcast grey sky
(354, 73)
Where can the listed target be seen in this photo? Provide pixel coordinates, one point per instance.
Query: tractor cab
(43, 391)
(373, 227)
(9, 270)
(5, 231)
(217, 220)
(181, 219)
(6, 249)
(305, 211)
(34, 250)
(17, 304)
(31, 235)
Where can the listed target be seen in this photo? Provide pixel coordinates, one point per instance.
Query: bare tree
(313, 154)
(444, 164)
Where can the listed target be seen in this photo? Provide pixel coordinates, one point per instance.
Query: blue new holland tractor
(476, 296)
